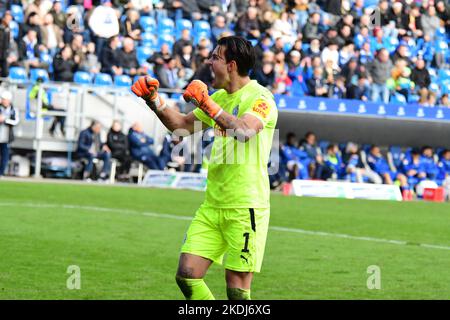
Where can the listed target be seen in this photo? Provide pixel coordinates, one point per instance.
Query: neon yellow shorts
(240, 234)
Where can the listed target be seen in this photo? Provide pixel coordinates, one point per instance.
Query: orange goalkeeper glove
(197, 93)
(147, 88)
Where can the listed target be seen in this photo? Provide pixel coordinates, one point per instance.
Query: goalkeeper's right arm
(147, 88)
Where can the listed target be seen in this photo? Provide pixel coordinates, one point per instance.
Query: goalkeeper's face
(219, 67)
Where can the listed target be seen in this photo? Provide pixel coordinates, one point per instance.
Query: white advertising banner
(176, 180)
(334, 189)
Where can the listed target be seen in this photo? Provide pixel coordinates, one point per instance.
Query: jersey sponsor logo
(235, 111)
(261, 108)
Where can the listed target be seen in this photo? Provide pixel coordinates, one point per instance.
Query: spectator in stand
(444, 167)
(175, 153)
(5, 44)
(104, 24)
(432, 99)
(295, 160)
(185, 59)
(157, 58)
(247, 25)
(90, 147)
(90, 63)
(29, 51)
(330, 52)
(220, 26)
(430, 166)
(278, 46)
(379, 165)
(132, 28)
(313, 29)
(9, 118)
(420, 75)
(317, 86)
(128, 59)
(430, 23)
(443, 12)
(59, 17)
(413, 168)
(189, 8)
(74, 26)
(184, 40)
(315, 164)
(402, 52)
(399, 16)
(444, 100)
(415, 25)
(283, 27)
(110, 57)
(354, 168)
(78, 47)
(265, 75)
(140, 147)
(380, 71)
(168, 74)
(65, 65)
(365, 54)
(333, 167)
(33, 22)
(51, 35)
(37, 6)
(117, 142)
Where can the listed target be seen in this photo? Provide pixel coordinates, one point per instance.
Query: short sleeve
(262, 109)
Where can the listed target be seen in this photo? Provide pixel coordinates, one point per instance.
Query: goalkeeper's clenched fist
(147, 88)
(197, 93)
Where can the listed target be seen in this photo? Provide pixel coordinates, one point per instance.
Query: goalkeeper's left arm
(244, 127)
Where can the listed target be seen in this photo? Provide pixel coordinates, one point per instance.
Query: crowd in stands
(136, 145)
(321, 160)
(334, 48)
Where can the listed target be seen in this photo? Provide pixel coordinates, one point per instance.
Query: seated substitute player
(234, 217)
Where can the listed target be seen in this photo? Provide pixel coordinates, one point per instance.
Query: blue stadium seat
(201, 26)
(143, 53)
(166, 26)
(147, 23)
(200, 36)
(396, 154)
(148, 39)
(14, 26)
(17, 13)
(48, 59)
(444, 74)
(323, 145)
(39, 73)
(18, 74)
(166, 38)
(103, 79)
(122, 81)
(82, 77)
(180, 25)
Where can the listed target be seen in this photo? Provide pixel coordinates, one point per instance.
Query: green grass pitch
(126, 242)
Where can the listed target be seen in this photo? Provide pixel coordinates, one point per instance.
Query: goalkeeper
(233, 220)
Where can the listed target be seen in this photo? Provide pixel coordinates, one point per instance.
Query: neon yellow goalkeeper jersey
(237, 171)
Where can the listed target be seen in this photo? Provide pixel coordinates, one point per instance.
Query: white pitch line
(187, 218)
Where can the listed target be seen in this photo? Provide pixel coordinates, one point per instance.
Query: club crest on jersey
(235, 111)
(261, 108)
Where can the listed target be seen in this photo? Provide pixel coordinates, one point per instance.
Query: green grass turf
(130, 255)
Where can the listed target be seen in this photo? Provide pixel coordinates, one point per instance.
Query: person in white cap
(8, 119)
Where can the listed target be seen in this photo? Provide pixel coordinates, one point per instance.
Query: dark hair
(241, 51)
(290, 135)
